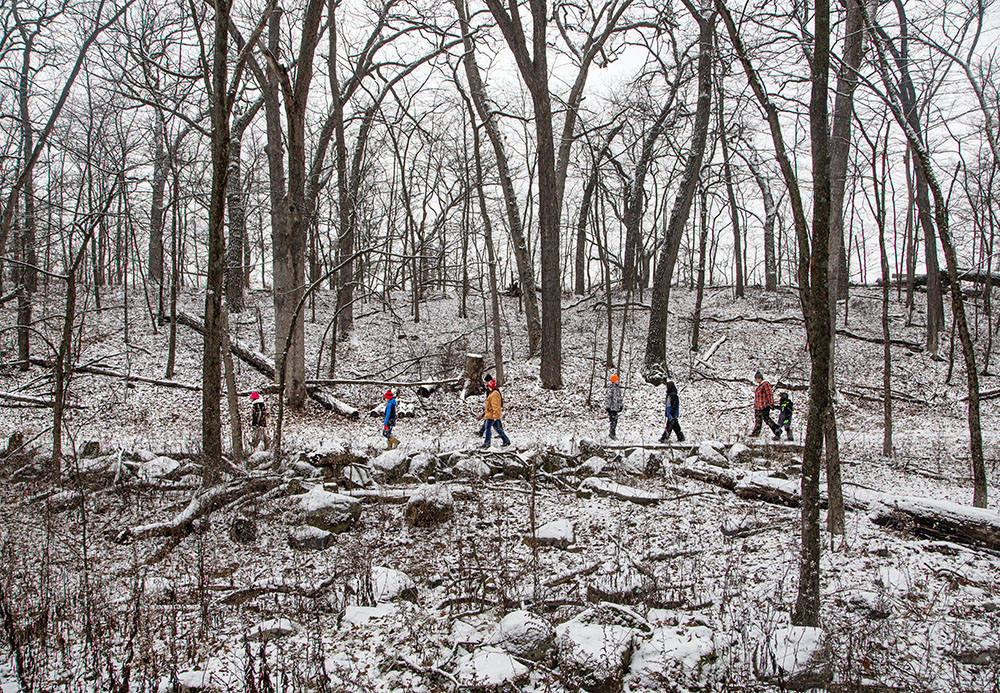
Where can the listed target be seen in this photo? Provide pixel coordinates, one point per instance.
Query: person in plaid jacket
(763, 400)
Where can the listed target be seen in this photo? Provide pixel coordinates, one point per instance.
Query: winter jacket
(763, 396)
(390, 413)
(785, 408)
(673, 403)
(494, 403)
(258, 414)
(613, 397)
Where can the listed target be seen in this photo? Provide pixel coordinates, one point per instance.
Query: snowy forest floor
(899, 612)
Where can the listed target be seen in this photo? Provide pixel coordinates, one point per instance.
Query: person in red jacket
(763, 400)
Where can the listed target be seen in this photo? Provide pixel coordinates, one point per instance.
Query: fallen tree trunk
(263, 365)
(33, 401)
(712, 349)
(386, 383)
(109, 373)
(603, 487)
(936, 519)
(200, 506)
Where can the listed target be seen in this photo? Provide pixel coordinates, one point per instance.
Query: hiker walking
(258, 421)
(763, 400)
(613, 404)
(784, 416)
(482, 424)
(389, 421)
(672, 411)
(491, 415)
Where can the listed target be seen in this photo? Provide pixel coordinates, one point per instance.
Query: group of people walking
(763, 403)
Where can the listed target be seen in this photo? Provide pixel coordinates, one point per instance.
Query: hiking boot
(503, 445)
(663, 439)
(612, 437)
(777, 436)
(680, 438)
(789, 435)
(484, 446)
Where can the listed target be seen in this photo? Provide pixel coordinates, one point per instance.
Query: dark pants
(762, 416)
(495, 424)
(387, 431)
(613, 419)
(672, 425)
(784, 423)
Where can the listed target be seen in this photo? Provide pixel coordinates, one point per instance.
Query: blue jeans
(495, 424)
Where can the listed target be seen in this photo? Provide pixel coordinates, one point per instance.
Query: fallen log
(711, 351)
(109, 373)
(723, 478)
(603, 487)
(263, 365)
(386, 383)
(938, 519)
(33, 401)
(200, 506)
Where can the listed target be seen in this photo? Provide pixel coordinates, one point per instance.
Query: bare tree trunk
(700, 286)
(770, 214)
(525, 271)
(237, 210)
(734, 212)
(232, 397)
(655, 365)
(156, 211)
(174, 274)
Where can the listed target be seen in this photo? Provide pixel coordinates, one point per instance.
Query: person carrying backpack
(389, 421)
(672, 412)
(763, 400)
(784, 416)
(491, 415)
(613, 404)
(258, 421)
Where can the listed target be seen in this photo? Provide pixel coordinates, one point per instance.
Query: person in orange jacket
(491, 415)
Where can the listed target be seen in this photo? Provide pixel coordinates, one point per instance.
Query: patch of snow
(489, 666)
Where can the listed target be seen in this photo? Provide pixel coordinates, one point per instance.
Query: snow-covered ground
(705, 608)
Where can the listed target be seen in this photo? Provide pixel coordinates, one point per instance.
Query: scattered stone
(681, 654)
(622, 585)
(796, 657)
(472, 468)
(588, 446)
(423, 465)
(333, 512)
(707, 451)
(490, 667)
(738, 453)
(63, 500)
(309, 538)
(558, 533)
(593, 656)
(356, 476)
(91, 448)
(300, 467)
(391, 465)
(158, 468)
(515, 468)
(604, 487)
(464, 633)
(272, 630)
(592, 467)
(384, 585)
(610, 614)
(633, 464)
(243, 530)
(143, 455)
(360, 615)
(524, 634)
(335, 454)
(429, 504)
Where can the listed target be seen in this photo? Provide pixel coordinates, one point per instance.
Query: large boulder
(272, 630)
(333, 512)
(423, 466)
(429, 504)
(524, 634)
(558, 533)
(682, 654)
(489, 668)
(384, 585)
(472, 468)
(593, 656)
(709, 452)
(391, 465)
(592, 467)
(308, 538)
(795, 657)
(158, 468)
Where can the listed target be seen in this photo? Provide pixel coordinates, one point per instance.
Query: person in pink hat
(258, 421)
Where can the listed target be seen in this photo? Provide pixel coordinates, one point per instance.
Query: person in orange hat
(390, 420)
(491, 415)
(258, 421)
(613, 404)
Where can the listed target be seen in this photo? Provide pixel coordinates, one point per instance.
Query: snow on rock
(633, 464)
(259, 458)
(429, 504)
(489, 666)
(558, 533)
(796, 656)
(189, 681)
(593, 656)
(592, 467)
(360, 615)
(333, 512)
(589, 446)
(391, 465)
(423, 465)
(523, 634)
(386, 585)
(472, 468)
(680, 654)
(143, 455)
(464, 633)
(273, 629)
(309, 538)
(356, 476)
(736, 451)
(708, 452)
(157, 468)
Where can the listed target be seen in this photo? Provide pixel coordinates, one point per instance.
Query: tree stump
(473, 376)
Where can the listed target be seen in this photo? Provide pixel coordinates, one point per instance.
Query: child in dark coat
(672, 412)
(784, 416)
(613, 404)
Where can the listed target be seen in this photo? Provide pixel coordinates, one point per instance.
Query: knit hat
(492, 384)
(614, 378)
(254, 396)
(758, 376)
(388, 394)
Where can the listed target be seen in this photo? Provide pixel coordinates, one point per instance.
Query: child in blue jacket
(390, 420)
(672, 412)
